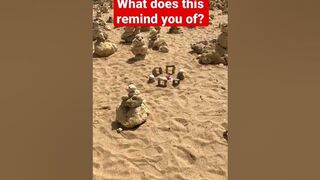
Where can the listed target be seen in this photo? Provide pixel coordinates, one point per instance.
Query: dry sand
(183, 138)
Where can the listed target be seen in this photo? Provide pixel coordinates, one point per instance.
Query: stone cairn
(174, 30)
(200, 47)
(218, 55)
(132, 111)
(156, 43)
(139, 49)
(102, 47)
(99, 27)
(129, 34)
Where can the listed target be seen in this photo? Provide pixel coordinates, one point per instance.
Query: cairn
(156, 43)
(199, 47)
(219, 55)
(98, 28)
(139, 49)
(132, 111)
(129, 34)
(102, 47)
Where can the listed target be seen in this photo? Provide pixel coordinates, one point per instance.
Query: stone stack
(139, 49)
(102, 47)
(129, 34)
(98, 28)
(156, 43)
(219, 55)
(132, 111)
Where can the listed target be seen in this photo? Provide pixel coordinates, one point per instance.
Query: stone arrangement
(162, 80)
(139, 49)
(132, 110)
(129, 34)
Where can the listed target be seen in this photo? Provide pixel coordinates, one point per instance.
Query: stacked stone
(156, 43)
(199, 47)
(129, 34)
(153, 36)
(220, 54)
(139, 49)
(99, 27)
(102, 47)
(132, 111)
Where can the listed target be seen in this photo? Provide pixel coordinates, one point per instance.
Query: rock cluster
(156, 43)
(218, 55)
(132, 111)
(139, 49)
(129, 34)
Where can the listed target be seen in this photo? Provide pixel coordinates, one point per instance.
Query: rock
(211, 57)
(180, 74)
(119, 130)
(104, 49)
(174, 30)
(151, 78)
(164, 49)
(132, 111)
(138, 48)
(156, 43)
(198, 48)
(129, 34)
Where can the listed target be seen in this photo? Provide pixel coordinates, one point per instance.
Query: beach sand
(183, 137)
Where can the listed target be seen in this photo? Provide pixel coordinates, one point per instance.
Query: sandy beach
(183, 136)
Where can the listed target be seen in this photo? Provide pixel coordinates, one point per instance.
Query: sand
(183, 137)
